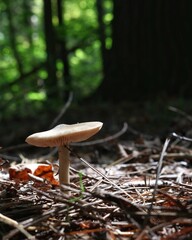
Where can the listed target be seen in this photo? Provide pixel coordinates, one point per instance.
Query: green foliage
(82, 188)
(23, 50)
(24, 33)
(81, 29)
(86, 71)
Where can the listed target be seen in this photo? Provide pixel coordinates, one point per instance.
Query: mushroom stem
(64, 164)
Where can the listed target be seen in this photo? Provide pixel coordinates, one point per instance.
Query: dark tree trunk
(51, 83)
(63, 53)
(27, 13)
(12, 35)
(101, 30)
(151, 50)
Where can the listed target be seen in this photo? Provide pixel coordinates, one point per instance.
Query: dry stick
(15, 224)
(172, 199)
(89, 143)
(180, 148)
(94, 142)
(173, 155)
(138, 133)
(122, 150)
(163, 225)
(163, 153)
(162, 214)
(100, 173)
(126, 159)
(182, 138)
(9, 158)
(63, 110)
(11, 148)
(121, 203)
(4, 162)
(187, 187)
(105, 177)
(184, 114)
(157, 178)
(107, 139)
(121, 160)
(174, 221)
(85, 210)
(110, 138)
(33, 221)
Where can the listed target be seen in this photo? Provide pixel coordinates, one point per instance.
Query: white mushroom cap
(64, 134)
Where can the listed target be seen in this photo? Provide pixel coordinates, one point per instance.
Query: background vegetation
(101, 50)
(37, 38)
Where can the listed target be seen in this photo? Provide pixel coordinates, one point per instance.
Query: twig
(15, 147)
(100, 173)
(89, 143)
(160, 165)
(173, 155)
(122, 160)
(107, 139)
(157, 177)
(11, 158)
(66, 199)
(122, 151)
(138, 133)
(32, 221)
(63, 110)
(174, 221)
(182, 138)
(163, 153)
(184, 114)
(122, 202)
(15, 224)
(172, 199)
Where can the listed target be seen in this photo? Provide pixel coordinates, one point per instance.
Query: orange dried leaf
(20, 172)
(46, 172)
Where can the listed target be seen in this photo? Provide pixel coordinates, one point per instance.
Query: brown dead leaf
(21, 172)
(46, 172)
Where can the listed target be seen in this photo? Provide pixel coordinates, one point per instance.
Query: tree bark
(101, 30)
(151, 50)
(27, 14)
(63, 53)
(51, 83)
(12, 35)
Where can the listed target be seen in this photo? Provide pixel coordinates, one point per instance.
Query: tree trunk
(27, 14)
(51, 83)
(151, 50)
(101, 30)
(12, 35)
(63, 53)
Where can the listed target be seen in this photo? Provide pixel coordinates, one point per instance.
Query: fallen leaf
(46, 172)
(21, 172)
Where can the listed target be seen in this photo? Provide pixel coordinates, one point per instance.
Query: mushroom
(61, 136)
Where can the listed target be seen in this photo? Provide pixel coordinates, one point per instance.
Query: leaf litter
(142, 190)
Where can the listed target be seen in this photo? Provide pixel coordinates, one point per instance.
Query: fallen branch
(63, 110)
(104, 140)
(15, 224)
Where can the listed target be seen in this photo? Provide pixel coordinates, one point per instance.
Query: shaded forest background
(104, 51)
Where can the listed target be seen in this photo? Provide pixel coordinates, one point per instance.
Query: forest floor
(131, 181)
